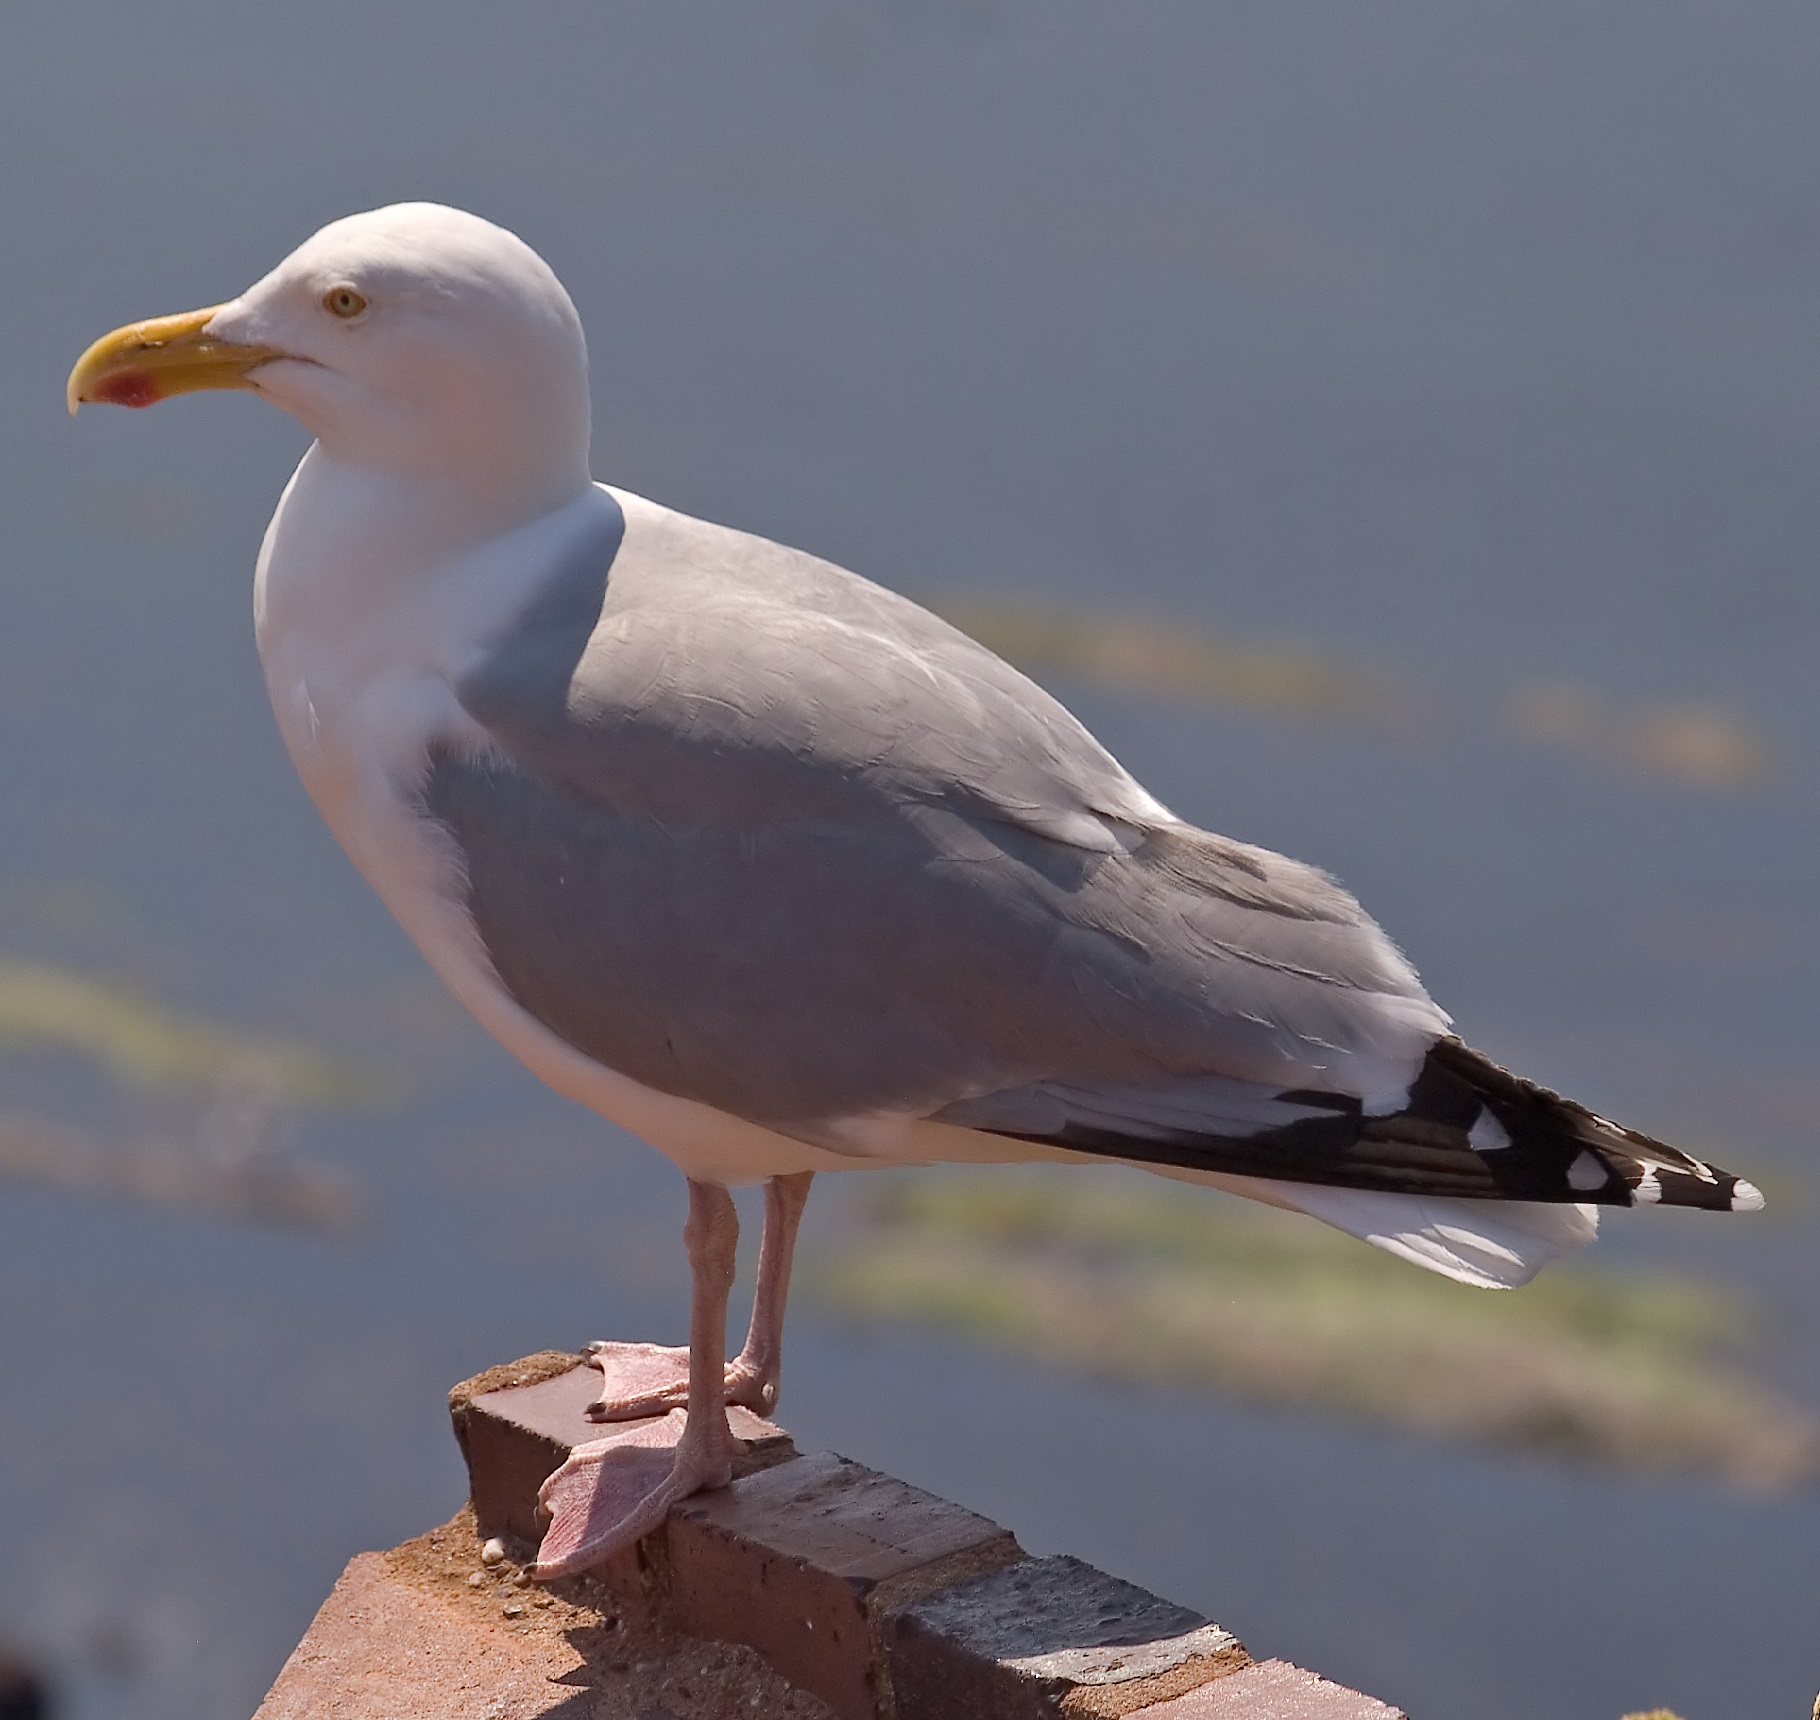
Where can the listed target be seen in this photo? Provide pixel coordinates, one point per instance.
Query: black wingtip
(1716, 1192)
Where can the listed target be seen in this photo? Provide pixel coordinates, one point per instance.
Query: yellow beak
(146, 362)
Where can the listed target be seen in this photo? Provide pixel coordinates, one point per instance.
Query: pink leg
(597, 1500)
(639, 1380)
(753, 1376)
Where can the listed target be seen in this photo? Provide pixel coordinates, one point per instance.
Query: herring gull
(779, 871)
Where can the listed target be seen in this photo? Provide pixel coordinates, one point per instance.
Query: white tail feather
(1494, 1245)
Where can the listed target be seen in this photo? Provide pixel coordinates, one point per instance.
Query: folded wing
(757, 833)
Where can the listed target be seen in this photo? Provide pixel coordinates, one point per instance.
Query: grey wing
(685, 671)
(757, 833)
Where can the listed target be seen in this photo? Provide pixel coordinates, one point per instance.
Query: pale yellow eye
(343, 302)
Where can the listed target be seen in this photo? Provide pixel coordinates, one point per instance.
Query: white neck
(392, 525)
(361, 569)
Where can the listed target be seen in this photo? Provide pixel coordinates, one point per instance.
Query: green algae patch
(139, 1041)
(1128, 1278)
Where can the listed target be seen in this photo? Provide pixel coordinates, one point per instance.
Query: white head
(416, 341)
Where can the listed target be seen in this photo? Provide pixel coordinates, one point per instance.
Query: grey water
(1475, 345)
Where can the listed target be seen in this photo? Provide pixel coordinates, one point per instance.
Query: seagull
(781, 872)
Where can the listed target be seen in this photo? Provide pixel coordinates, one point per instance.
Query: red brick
(803, 1562)
(1272, 1690)
(515, 1436)
(381, 1649)
(430, 1632)
(1046, 1638)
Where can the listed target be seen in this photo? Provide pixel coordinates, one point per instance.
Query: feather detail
(1466, 1130)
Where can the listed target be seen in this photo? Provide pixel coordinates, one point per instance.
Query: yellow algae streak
(1171, 661)
(1695, 744)
(139, 1041)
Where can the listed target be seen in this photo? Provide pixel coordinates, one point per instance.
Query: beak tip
(146, 362)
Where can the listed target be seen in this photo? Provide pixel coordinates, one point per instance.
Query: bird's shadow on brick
(580, 1706)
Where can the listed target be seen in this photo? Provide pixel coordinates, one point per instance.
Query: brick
(805, 1561)
(870, 1597)
(429, 1631)
(517, 1424)
(1272, 1690)
(380, 1649)
(1049, 1637)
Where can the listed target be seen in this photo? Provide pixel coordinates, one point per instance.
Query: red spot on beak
(129, 388)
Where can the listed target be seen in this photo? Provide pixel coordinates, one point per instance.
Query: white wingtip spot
(1746, 1197)
(1648, 1191)
(1487, 1134)
(1586, 1173)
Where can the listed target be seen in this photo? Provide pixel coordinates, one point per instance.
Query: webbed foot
(641, 1380)
(612, 1492)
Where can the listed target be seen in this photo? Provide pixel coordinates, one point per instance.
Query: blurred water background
(1446, 373)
